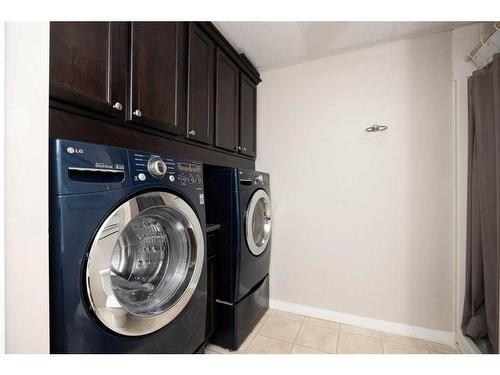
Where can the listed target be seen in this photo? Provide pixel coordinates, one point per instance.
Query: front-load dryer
(239, 200)
(127, 251)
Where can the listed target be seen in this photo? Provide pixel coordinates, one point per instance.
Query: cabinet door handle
(137, 113)
(191, 132)
(244, 148)
(238, 148)
(118, 106)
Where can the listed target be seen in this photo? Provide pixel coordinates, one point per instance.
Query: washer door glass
(258, 222)
(145, 263)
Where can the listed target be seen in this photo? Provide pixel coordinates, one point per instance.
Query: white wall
(363, 223)
(26, 187)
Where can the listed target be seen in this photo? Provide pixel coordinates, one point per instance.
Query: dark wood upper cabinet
(181, 81)
(201, 83)
(248, 107)
(226, 103)
(157, 75)
(88, 65)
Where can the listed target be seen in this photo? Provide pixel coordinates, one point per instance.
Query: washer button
(171, 178)
(142, 176)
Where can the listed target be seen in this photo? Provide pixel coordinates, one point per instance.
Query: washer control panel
(145, 167)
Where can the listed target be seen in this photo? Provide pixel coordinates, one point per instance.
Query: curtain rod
(482, 41)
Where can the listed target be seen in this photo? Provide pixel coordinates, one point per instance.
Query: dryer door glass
(145, 263)
(258, 222)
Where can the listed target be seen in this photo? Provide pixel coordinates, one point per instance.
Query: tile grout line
(427, 346)
(381, 341)
(264, 319)
(338, 341)
(317, 326)
(287, 319)
(297, 334)
(361, 334)
(407, 345)
(256, 332)
(250, 343)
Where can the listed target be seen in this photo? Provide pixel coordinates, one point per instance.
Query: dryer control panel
(253, 178)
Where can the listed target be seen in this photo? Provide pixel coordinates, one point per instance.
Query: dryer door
(258, 222)
(145, 263)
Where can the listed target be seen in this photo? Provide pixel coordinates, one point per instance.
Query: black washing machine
(239, 200)
(127, 251)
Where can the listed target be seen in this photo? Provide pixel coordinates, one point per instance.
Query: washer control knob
(157, 167)
(259, 178)
(141, 176)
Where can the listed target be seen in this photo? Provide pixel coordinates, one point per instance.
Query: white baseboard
(443, 337)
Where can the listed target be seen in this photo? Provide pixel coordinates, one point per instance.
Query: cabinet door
(158, 75)
(88, 65)
(226, 103)
(200, 86)
(248, 106)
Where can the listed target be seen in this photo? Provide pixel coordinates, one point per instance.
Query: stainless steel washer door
(145, 263)
(258, 222)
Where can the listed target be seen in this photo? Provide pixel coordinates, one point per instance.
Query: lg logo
(72, 150)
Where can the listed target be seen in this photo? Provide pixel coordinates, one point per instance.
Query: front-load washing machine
(239, 200)
(127, 251)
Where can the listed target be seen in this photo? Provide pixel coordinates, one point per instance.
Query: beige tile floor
(280, 332)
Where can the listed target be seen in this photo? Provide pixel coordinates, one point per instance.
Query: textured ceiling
(273, 44)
